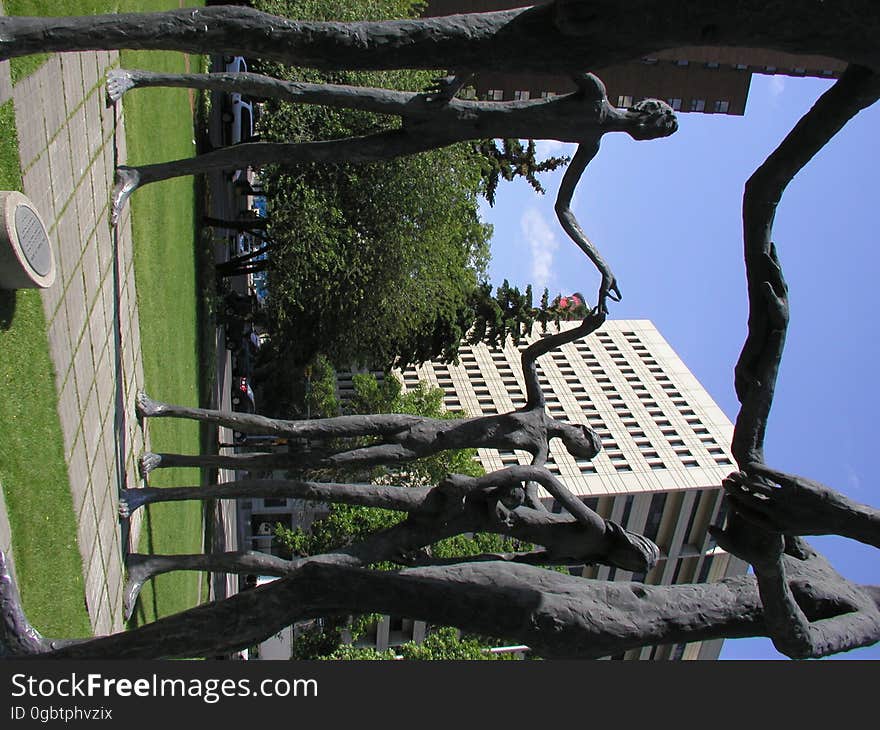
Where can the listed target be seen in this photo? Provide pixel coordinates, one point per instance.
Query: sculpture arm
(446, 87)
(791, 631)
(799, 506)
(591, 86)
(794, 635)
(586, 151)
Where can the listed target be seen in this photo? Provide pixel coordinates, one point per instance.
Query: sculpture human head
(651, 119)
(581, 441)
(628, 550)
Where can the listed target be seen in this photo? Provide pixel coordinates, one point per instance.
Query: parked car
(235, 64)
(238, 306)
(244, 243)
(243, 395)
(239, 112)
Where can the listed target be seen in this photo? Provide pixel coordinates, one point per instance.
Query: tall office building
(706, 79)
(665, 451)
(665, 444)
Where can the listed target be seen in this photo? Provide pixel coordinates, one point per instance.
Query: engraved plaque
(33, 239)
(26, 257)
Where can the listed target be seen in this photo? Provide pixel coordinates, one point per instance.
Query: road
(223, 202)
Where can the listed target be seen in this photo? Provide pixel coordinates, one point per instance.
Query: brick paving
(69, 141)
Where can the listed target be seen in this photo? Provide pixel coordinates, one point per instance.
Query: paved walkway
(68, 140)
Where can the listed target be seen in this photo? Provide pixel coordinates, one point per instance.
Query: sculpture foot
(132, 499)
(137, 574)
(128, 179)
(629, 550)
(118, 82)
(146, 407)
(148, 462)
(17, 636)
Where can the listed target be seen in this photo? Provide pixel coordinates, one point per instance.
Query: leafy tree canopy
(442, 643)
(510, 312)
(397, 245)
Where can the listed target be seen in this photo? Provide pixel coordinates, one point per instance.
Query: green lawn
(32, 468)
(26, 65)
(159, 125)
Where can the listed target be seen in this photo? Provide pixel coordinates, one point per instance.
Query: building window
(495, 94)
(704, 570)
(712, 64)
(682, 62)
(624, 100)
(627, 510)
(520, 95)
(675, 103)
(547, 94)
(698, 105)
(722, 106)
(655, 512)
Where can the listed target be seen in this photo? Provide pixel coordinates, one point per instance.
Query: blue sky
(666, 215)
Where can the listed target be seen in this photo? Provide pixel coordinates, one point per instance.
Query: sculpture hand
(774, 500)
(608, 290)
(762, 548)
(443, 88)
(775, 290)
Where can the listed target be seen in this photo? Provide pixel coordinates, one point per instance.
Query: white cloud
(777, 85)
(542, 243)
(855, 481)
(552, 148)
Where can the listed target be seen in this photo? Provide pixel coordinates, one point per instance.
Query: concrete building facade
(665, 444)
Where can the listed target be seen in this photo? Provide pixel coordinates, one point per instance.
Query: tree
(510, 313)
(796, 597)
(399, 248)
(402, 241)
(442, 643)
(510, 161)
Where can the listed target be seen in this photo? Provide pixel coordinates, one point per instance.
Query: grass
(159, 125)
(32, 467)
(165, 276)
(24, 66)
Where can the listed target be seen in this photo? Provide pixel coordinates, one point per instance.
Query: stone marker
(26, 257)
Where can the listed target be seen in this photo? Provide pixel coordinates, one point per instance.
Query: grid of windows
(623, 383)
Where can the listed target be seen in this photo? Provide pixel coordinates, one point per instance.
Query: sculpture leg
(17, 637)
(320, 429)
(141, 568)
(371, 148)
(150, 461)
(341, 96)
